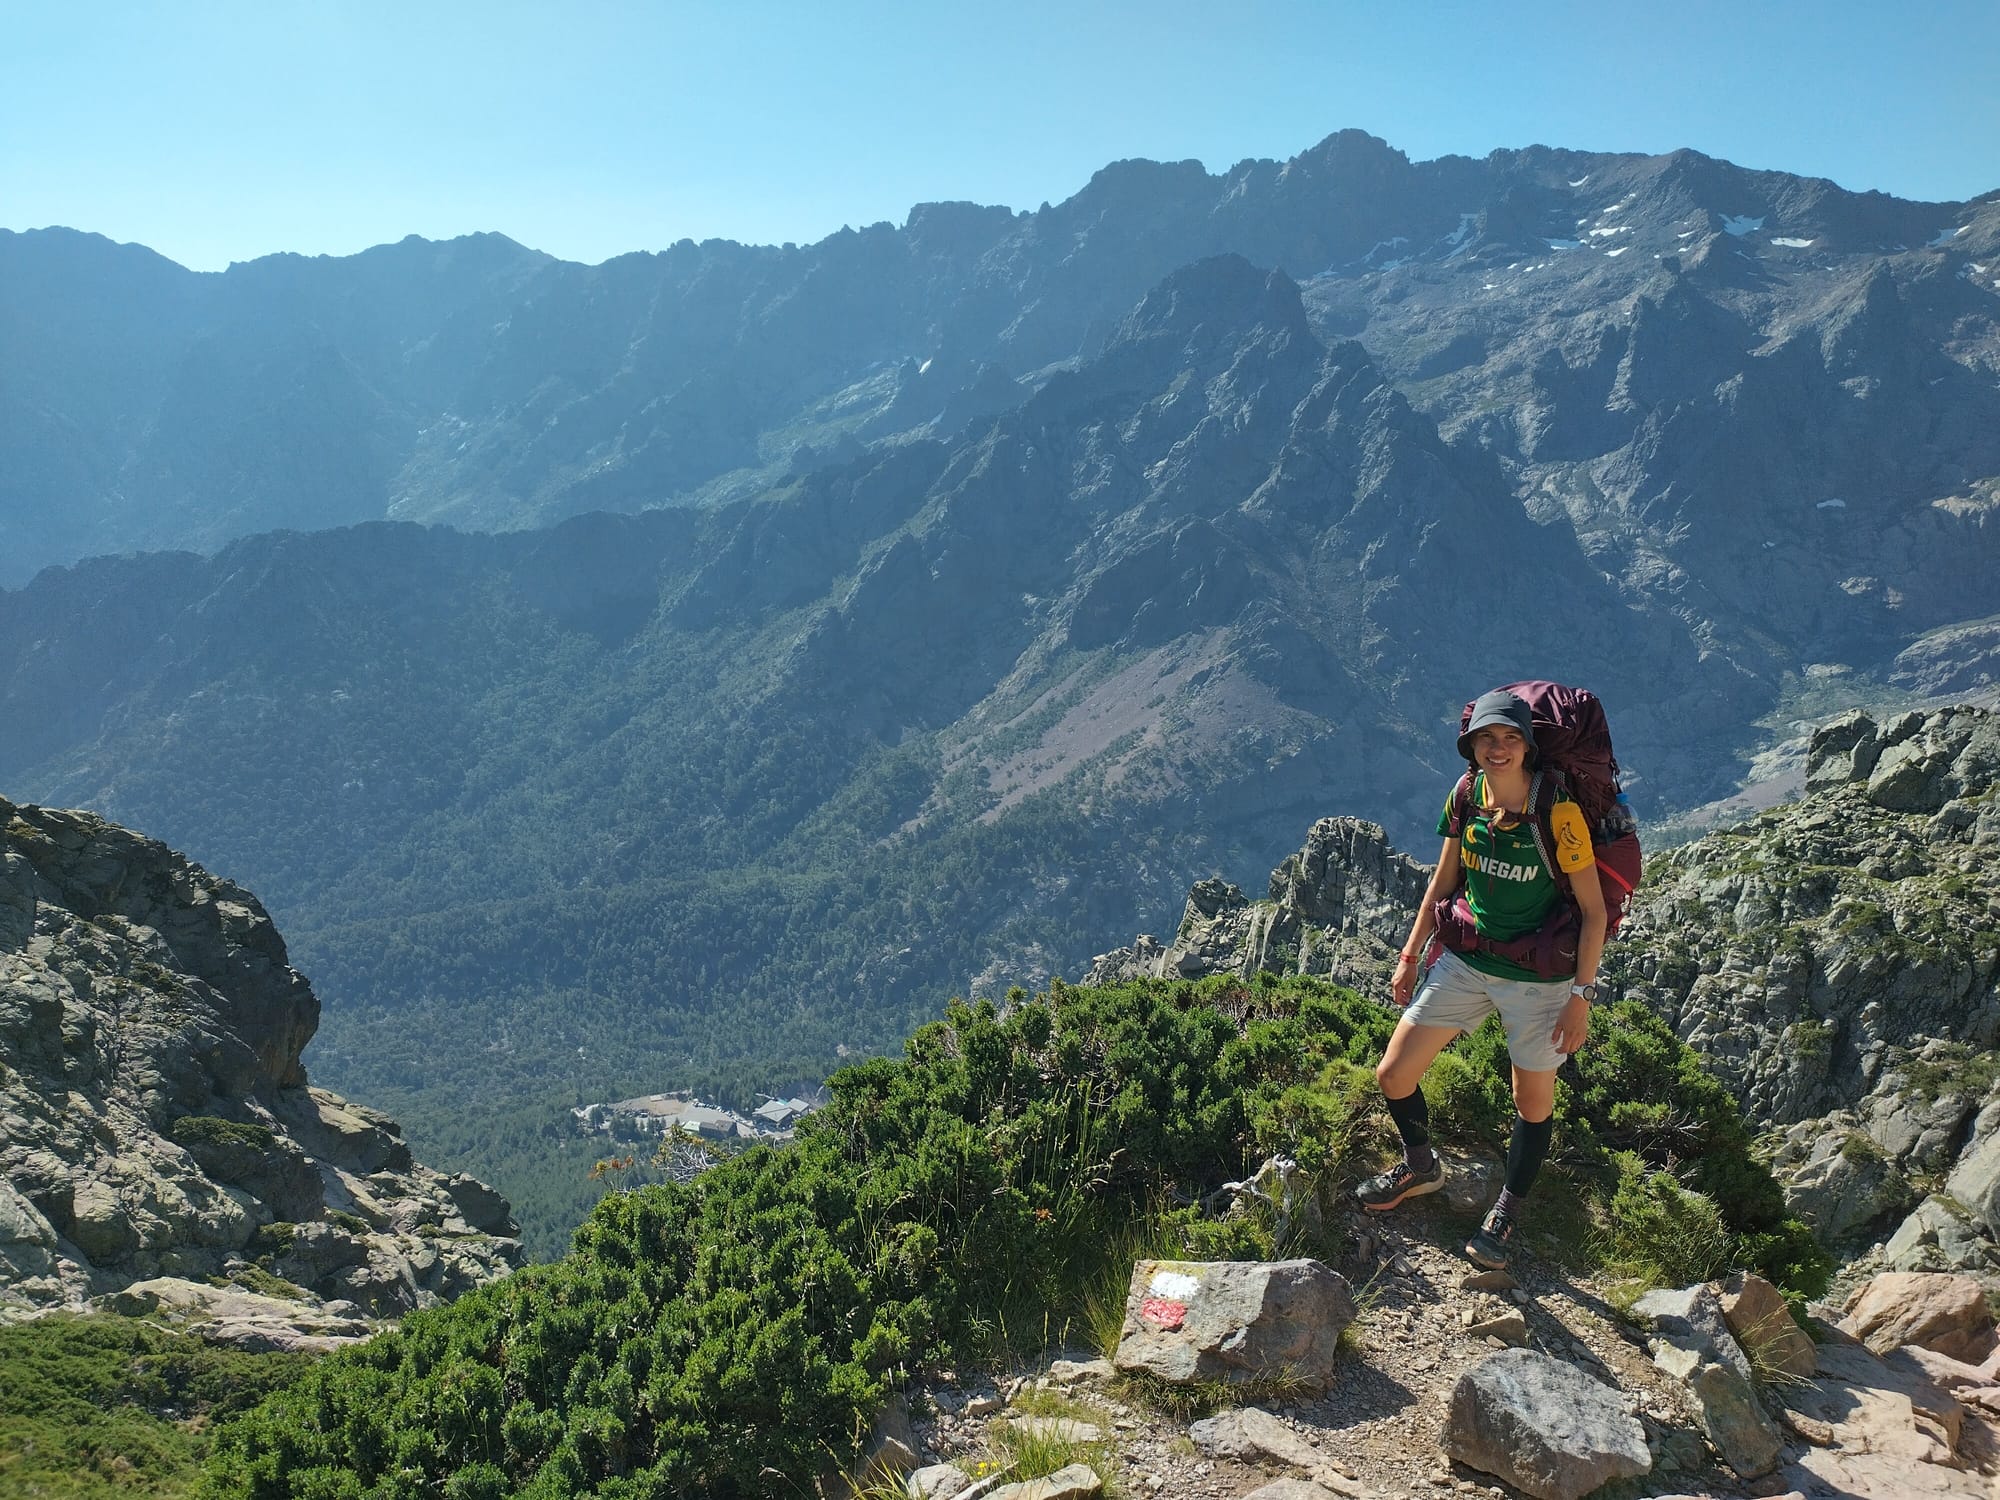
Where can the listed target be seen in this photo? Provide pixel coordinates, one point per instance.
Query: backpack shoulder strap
(1543, 794)
(1461, 805)
(1541, 823)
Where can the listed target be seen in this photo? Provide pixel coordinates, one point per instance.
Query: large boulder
(1947, 1313)
(1939, 1235)
(1543, 1426)
(1765, 1328)
(1235, 1321)
(1691, 1320)
(1975, 1180)
(1735, 1422)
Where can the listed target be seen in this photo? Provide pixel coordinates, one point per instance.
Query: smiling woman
(1515, 876)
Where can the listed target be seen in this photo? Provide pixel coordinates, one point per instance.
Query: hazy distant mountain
(1523, 300)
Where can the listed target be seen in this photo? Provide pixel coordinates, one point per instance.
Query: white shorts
(1457, 995)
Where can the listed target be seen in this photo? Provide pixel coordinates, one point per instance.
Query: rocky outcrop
(1946, 1314)
(163, 1149)
(1693, 1340)
(1339, 908)
(1837, 962)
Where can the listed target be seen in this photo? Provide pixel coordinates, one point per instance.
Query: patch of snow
(1175, 1284)
(1459, 235)
(1564, 244)
(1977, 269)
(1741, 224)
(924, 368)
(1945, 237)
(1609, 254)
(1381, 245)
(1791, 244)
(1831, 505)
(1687, 234)
(1581, 180)
(1390, 265)
(1598, 234)
(1489, 287)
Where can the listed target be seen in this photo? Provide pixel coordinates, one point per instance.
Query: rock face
(156, 1123)
(1235, 1321)
(1837, 961)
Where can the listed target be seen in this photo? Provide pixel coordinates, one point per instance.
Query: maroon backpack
(1572, 753)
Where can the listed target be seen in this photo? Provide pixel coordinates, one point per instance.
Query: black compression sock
(1527, 1151)
(1412, 1114)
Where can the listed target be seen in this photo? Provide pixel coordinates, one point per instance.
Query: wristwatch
(1588, 991)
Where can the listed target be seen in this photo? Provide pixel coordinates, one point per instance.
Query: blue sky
(218, 132)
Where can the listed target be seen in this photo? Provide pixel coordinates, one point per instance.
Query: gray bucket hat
(1498, 707)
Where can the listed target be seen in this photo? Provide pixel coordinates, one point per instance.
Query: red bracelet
(1406, 955)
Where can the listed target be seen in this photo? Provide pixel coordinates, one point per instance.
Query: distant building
(682, 1113)
(781, 1114)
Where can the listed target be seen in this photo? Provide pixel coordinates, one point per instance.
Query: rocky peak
(158, 1133)
(1338, 907)
(1225, 293)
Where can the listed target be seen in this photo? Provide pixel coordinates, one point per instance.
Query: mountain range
(793, 635)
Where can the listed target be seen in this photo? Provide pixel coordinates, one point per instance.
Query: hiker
(1493, 840)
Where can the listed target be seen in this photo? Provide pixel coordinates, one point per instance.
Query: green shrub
(264, 1282)
(699, 1337)
(273, 1239)
(1662, 1233)
(209, 1130)
(989, 1189)
(1645, 1093)
(1468, 1100)
(96, 1406)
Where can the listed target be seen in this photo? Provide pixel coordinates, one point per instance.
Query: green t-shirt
(1507, 885)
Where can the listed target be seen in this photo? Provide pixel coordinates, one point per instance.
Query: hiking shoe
(1387, 1189)
(1488, 1247)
